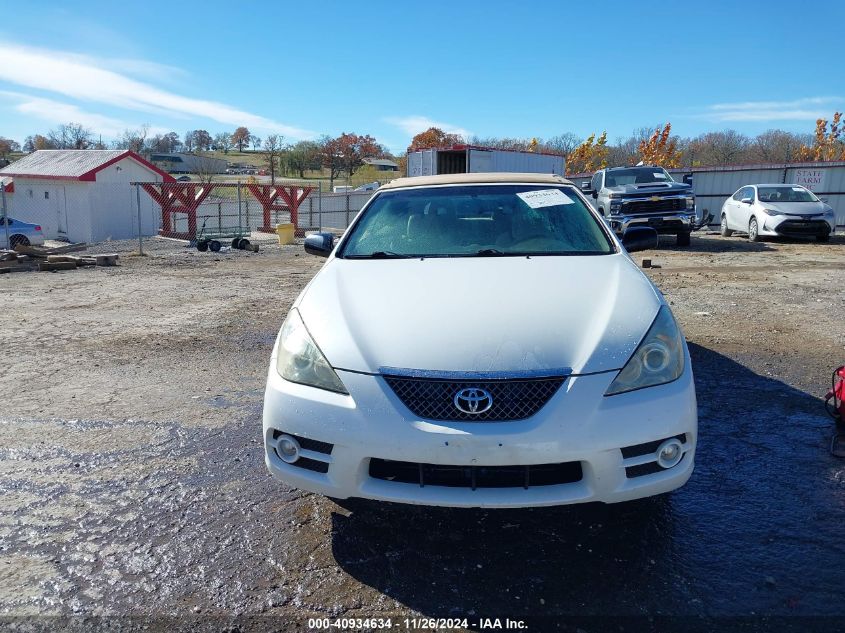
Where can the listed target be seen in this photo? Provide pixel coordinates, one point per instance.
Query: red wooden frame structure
(186, 197)
(291, 196)
(178, 197)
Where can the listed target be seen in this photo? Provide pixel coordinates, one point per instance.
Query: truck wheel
(214, 245)
(823, 238)
(236, 242)
(243, 243)
(753, 231)
(683, 239)
(723, 228)
(202, 246)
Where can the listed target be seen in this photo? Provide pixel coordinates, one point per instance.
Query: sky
(393, 69)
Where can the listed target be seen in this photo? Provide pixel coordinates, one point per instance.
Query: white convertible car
(480, 340)
(772, 210)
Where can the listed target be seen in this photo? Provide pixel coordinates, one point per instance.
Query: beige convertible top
(461, 179)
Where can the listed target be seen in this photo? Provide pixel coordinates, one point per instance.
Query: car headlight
(658, 359)
(772, 212)
(690, 203)
(300, 360)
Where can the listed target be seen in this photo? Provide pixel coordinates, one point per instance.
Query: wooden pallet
(43, 251)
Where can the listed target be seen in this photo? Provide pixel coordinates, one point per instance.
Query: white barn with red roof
(83, 195)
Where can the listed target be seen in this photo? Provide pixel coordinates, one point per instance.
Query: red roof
(74, 164)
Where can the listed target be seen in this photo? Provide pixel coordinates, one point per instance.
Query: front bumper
(790, 226)
(347, 440)
(662, 223)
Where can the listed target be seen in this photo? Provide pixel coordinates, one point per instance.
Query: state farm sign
(812, 179)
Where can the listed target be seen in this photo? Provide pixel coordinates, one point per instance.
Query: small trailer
(472, 159)
(212, 240)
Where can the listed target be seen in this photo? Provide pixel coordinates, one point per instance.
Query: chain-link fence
(94, 212)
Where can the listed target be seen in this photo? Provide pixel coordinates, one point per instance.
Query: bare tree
(718, 148)
(133, 140)
(165, 143)
(223, 142)
(777, 146)
(272, 147)
(562, 143)
(206, 168)
(255, 140)
(70, 136)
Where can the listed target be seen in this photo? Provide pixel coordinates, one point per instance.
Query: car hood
(493, 314)
(654, 188)
(796, 208)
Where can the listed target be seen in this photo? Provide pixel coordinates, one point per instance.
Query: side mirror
(747, 200)
(825, 200)
(319, 244)
(640, 238)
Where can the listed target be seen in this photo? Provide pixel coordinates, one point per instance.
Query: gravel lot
(132, 477)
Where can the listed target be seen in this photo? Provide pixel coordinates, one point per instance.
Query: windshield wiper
(490, 252)
(380, 255)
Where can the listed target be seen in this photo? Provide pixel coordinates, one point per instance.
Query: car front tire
(723, 227)
(683, 239)
(753, 231)
(823, 238)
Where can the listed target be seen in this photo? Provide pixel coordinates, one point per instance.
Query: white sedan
(481, 340)
(778, 209)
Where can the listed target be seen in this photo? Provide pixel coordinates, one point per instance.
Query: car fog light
(670, 453)
(287, 448)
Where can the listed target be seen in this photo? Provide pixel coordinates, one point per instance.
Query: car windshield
(476, 220)
(636, 176)
(785, 194)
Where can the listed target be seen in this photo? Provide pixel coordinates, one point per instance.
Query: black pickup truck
(643, 196)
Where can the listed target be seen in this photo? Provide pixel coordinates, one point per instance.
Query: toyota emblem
(473, 401)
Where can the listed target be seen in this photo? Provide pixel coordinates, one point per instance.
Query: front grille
(803, 227)
(654, 206)
(434, 399)
(475, 476)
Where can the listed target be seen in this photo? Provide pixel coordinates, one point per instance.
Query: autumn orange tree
(589, 155)
(660, 149)
(826, 145)
(241, 138)
(434, 137)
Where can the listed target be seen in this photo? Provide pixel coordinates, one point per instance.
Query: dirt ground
(132, 479)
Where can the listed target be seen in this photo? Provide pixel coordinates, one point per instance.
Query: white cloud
(83, 78)
(59, 112)
(413, 125)
(805, 109)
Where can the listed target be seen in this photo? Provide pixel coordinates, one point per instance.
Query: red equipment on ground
(834, 401)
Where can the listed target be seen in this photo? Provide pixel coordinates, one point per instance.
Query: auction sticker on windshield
(544, 198)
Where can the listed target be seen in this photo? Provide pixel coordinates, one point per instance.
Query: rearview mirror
(319, 244)
(747, 200)
(640, 238)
